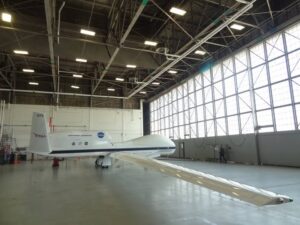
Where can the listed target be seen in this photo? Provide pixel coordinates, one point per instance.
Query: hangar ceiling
(49, 31)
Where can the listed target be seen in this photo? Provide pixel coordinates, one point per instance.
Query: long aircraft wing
(234, 189)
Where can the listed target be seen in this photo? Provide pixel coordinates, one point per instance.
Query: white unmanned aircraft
(140, 151)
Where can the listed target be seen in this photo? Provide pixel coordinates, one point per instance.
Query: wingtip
(285, 200)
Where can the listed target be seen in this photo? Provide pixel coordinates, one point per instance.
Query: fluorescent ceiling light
(77, 75)
(87, 32)
(172, 71)
(81, 60)
(74, 86)
(155, 83)
(236, 26)
(143, 92)
(110, 89)
(119, 79)
(150, 43)
(28, 70)
(178, 11)
(131, 66)
(6, 17)
(34, 83)
(21, 52)
(200, 52)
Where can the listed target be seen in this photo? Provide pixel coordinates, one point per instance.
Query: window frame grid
(158, 117)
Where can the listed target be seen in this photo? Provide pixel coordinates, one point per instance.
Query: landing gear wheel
(99, 162)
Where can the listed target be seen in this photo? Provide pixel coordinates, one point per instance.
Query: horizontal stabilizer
(234, 189)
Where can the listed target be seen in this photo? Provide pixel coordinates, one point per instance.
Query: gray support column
(213, 101)
(269, 85)
(177, 126)
(170, 114)
(224, 99)
(186, 108)
(204, 106)
(50, 19)
(253, 104)
(237, 96)
(195, 107)
(296, 123)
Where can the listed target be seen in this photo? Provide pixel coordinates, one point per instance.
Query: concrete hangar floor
(77, 193)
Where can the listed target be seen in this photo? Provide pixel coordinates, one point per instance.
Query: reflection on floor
(77, 193)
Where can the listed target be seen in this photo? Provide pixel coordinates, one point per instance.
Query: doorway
(182, 150)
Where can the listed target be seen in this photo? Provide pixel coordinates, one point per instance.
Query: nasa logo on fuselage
(100, 134)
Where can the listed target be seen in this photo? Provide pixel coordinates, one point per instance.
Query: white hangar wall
(121, 124)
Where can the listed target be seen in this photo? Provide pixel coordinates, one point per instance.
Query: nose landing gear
(103, 162)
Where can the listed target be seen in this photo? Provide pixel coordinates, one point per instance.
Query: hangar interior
(207, 74)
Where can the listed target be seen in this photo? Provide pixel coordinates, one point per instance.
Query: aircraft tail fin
(39, 140)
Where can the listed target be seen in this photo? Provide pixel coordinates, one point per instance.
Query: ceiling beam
(5, 79)
(216, 44)
(226, 4)
(50, 18)
(270, 10)
(127, 11)
(160, 70)
(97, 42)
(132, 23)
(247, 24)
(223, 3)
(61, 93)
(197, 37)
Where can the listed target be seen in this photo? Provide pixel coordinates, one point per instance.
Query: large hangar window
(259, 87)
